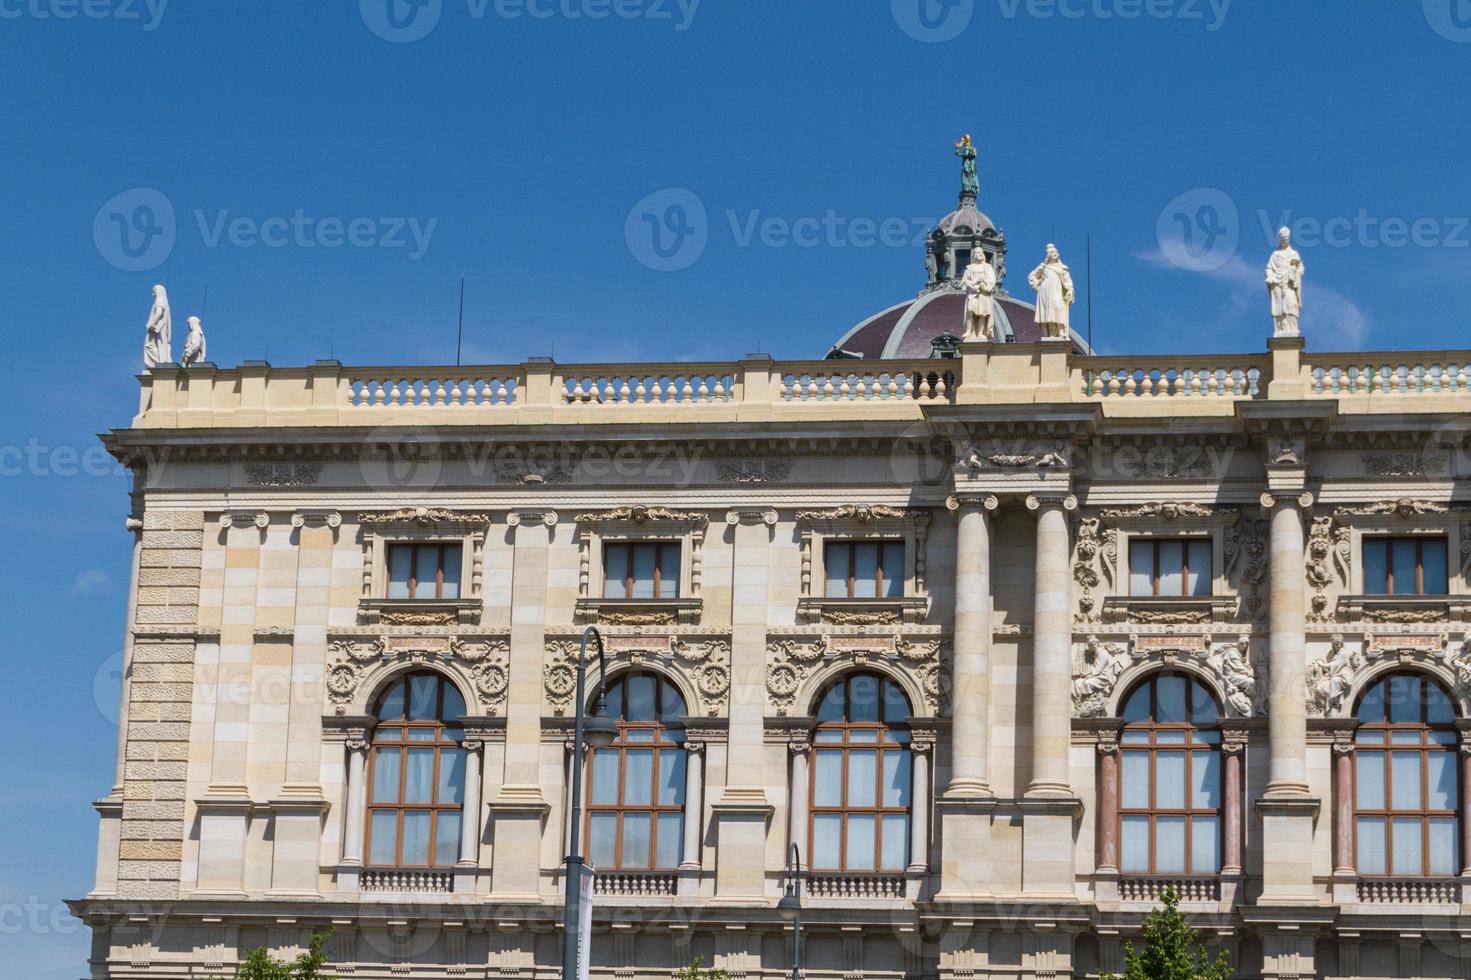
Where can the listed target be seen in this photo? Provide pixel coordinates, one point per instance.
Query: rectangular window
(424, 571)
(865, 569)
(1170, 567)
(647, 570)
(1405, 566)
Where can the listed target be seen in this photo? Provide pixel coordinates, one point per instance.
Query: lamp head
(600, 730)
(790, 905)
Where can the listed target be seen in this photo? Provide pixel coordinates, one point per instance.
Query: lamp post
(790, 907)
(600, 732)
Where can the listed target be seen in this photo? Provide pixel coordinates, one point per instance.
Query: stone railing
(634, 883)
(686, 386)
(842, 381)
(407, 882)
(1410, 891)
(821, 885)
(1389, 374)
(1197, 888)
(1183, 377)
(444, 387)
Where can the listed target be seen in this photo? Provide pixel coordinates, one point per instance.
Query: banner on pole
(584, 922)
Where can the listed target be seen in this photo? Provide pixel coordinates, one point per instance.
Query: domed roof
(910, 329)
(964, 220)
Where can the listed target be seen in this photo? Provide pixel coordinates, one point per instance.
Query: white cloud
(93, 580)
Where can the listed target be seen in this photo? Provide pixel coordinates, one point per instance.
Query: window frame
(1387, 541)
(659, 545)
(1185, 541)
(414, 547)
(880, 545)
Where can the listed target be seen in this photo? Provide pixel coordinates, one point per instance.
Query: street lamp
(790, 907)
(599, 730)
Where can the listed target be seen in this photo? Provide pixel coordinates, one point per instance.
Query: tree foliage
(307, 966)
(1172, 949)
(694, 972)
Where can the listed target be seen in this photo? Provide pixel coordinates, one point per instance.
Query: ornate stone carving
(1389, 614)
(283, 474)
(1232, 663)
(240, 518)
(1246, 550)
(533, 472)
(1328, 554)
(1403, 507)
(1170, 617)
(865, 514)
(1096, 674)
(316, 518)
(411, 617)
(704, 662)
(1458, 659)
(1163, 511)
(1284, 285)
(1404, 464)
(423, 516)
(764, 515)
(858, 617)
(1330, 679)
(995, 454)
(484, 661)
(791, 659)
(629, 617)
(753, 470)
(641, 514)
(1088, 571)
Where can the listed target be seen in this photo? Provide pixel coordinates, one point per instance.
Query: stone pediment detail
(1101, 667)
(698, 661)
(479, 662)
(794, 660)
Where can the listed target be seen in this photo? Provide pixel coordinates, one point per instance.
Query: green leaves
(693, 972)
(308, 966)
(1172, 949)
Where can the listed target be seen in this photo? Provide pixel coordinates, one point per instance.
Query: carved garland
(1099, 666)
(705, 664)
(790, 661)
(487, 662)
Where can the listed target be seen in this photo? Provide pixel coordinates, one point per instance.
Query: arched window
(861, 782)
(1405, 788)
(1170, 800)
(635, 814)
(416, 790)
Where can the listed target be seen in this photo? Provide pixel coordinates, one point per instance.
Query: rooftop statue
(158, 343)
(194, 347)
(1053, 282)
(1284, 285)
(979, 283)
(969, 182)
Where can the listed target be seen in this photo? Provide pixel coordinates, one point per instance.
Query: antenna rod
(460, 337)
(1090, 292)
(204, 306)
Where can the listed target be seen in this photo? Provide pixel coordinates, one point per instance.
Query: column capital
(1108, 743)
(986, 501)
(1271, 498)
(1037, 501)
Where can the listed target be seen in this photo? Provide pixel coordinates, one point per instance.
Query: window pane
(1171, 567)
(671, 705)
(670, 845)
(894, 570)
(1168, 736)
(615, 570)
(447, 839)
(896, 779)
(1141, 568)
(861, 843)
(1199, 558)
(896, 705)
(1370, 831)
(399, 558)
(1369, 780)
(416, 837)
(1402, 694)
(426, 572)
(1402, 565)
(1136, 780)
(452, 776)
(384, 834)
(671, 777)
(391, 708)
(602, 839)
(385, 775)
(1203, 710)
(604, 791)
(454, 704)
(643, 571)
(1432, 557)
(1205, 845)
(669, 571)
(1135, 844)
(636, 840)
(865, 570)
(1371, 709)
(641, 691)
(451, 571)
(419, 776)
(1438, 709)
(1376, 566)
(1137, 708)
(826, 840)
(1206, 773)
(895, 856)
(837, 570)
(638, 777)
(423, 697)
(1445, 858)
(1441, 778)
(862, 777)
(1169, 780)
(1170, 696)
(831, 708)
(827, 784)
(1407, 845)
(863, 698)
(1169, 845)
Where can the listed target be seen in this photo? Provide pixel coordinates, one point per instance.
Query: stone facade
(1014, 477)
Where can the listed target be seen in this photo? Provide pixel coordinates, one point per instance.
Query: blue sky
(524, 141)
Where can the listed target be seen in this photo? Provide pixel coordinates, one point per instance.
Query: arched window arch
(635, 814)
(1170, 804)
(862, 782)
(416, 786)
(1406, 793)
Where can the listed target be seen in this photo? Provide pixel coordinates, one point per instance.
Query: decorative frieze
(1099, 665)
(700, 659)
(793, 658)
(753, 470)
(483, 661)
(422, 517)
(283, 474)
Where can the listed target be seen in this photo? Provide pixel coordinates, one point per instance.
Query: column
(1465, 807)
(1287, 711)
(468, 865)
(352, 833)
(797, 806)
(1344, 863)
(1233, 747)
(1051, 649)
(1108, 804)
(919, 808)
(971, 694)
(694, 794)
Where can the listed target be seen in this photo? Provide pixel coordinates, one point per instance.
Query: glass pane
(388, 734)
(454, 704)
(1198, 555)
(1438, 708)
(863, 698)
(669, 847)
(671, 704)
(604, 789)
(669, 571)
(1402, 694)
(827, 829)
(419, 776)
(422, 734)
(451, 776)
(865, 570)
(896, 705)
(385, 775)
(1445, 858)
(896, 779)
(423, 697)
(643, 571)
(1169, 845)
(639, 734)
(837, 570)
(1203, 710)
(1141, 568)
(426, 572)
(1134, 841)
(1206, 775)
(895, 848)
(861, 843)
(416, 837)
(603, 839)
(1136, 781)
(399, 558)
(827, 779)
(1137, 707)
(894, 570)
(1168, 736)
(451, 571)
(447, 839)
(671, 777)
(831, 708)
(614, 700)
(1432, 557)
(1205, 845)
(1134, 737)
(1169, 780)
(862, 777)
(1402, 565)
(1441, 779)
(391, 708)
(1171, 567)
(638, 777)
(827, 736)
(640, 691)
(1371, 709)
(1407, 856)
(615, 571)
(1370, 832)
(1405, 779)
(1400, 737)
(1170, 698)
(637, 842)
(383, 834)
(1369, 780)
(1376, 566)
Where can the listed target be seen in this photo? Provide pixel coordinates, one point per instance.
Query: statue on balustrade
(979, 283)
(194, 347)
(1053, 282)
(1284, 285)
(158, 343)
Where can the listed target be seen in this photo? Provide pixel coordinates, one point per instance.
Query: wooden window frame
(414, 547)
(1388, 541)
(1154, 576)
(658, 546)
(880, 580)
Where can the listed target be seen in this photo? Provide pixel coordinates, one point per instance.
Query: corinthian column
(1287, 720)
(1051, 643)
(972, 684)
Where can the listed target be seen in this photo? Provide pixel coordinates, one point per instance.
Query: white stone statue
(1330, 679)
(979, 283)
(194, 347)
(1095, 678)
(1284, 285)
(1054, 285)
(1233, 663)
(158, 343)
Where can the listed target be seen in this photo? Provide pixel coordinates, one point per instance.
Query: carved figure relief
(1331, 678)
(1095, 677)
(702, 661)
